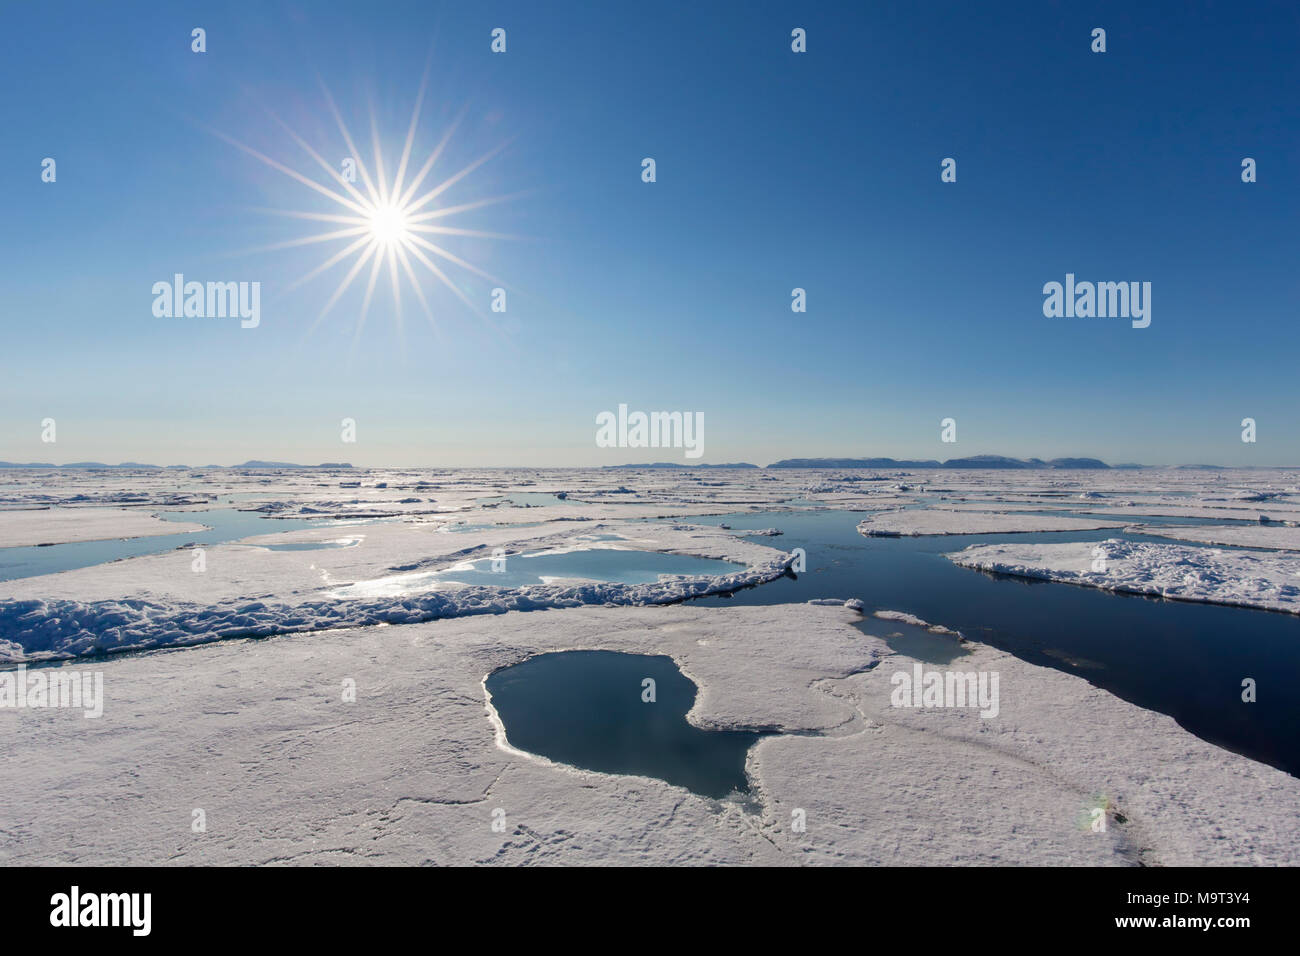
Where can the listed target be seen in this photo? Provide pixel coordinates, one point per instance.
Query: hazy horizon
(901, 462)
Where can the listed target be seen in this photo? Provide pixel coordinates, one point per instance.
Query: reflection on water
(1155, 521)
(1181, 659)
(225, 525)
(461, 526)
(916, 642)
(524, 499)
(590, 709)
(523, 570)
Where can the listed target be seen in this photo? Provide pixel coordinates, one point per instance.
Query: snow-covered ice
(27, 527)
(159, 601)
(915, 521)
(257, 734)
(1268, 536)
(1240, 578)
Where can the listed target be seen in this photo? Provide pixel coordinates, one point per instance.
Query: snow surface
(123, 606)
(915, 521)
(1240, 578)
(904, 618)
(25, 528)
(258, 736)
(1268, 536)
(255, 732)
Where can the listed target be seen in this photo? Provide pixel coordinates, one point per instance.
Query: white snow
(1270, 536)
(1241, 578)
(904, 618)
(916, 521)
(24, 528)
(258, 735)
(51, 628)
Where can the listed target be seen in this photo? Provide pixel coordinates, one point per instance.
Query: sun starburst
(388, 224)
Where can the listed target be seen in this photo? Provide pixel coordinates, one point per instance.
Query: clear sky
(775, 170)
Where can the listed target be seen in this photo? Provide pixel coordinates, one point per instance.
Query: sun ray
(347, 280)
(475, 308)
(309, 240)
(338, 177)
(464, 207)
(370, 289)
(442, 277)
(448, 183)
(365, 305)
(410, 135)
(381, 222)
(439, 251)
(319, 216)
(428, 163)
(419, 293)
(392, 272)
(292, 173)
(379, 159)
(454, 231)
(328, 263)
(352, 148)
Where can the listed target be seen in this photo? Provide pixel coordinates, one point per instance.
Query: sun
(385, 222)
(389, 224)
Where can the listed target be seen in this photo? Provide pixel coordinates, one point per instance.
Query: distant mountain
(974, 461)
(138, 466)
(288, 464)
(852, 463)
(88, 465)
(993, 461)
(1077, 463)
(675, 464)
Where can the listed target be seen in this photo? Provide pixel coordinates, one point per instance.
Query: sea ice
(1241, 578)
(27, 527)
(289, 769)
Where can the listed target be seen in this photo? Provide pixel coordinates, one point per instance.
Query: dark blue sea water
(1182, 659)
(588, 709)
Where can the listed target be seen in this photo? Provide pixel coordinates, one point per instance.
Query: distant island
(674, 464)
(974, 461)
(137, 466)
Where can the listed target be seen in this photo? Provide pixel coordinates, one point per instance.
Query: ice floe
(916, 521)
(408, 770)
(42, 629)
(27, 527)
(1240, 578)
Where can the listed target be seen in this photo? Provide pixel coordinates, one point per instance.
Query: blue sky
(775, 170)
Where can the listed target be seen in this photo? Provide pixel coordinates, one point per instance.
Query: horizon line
(821, 463)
